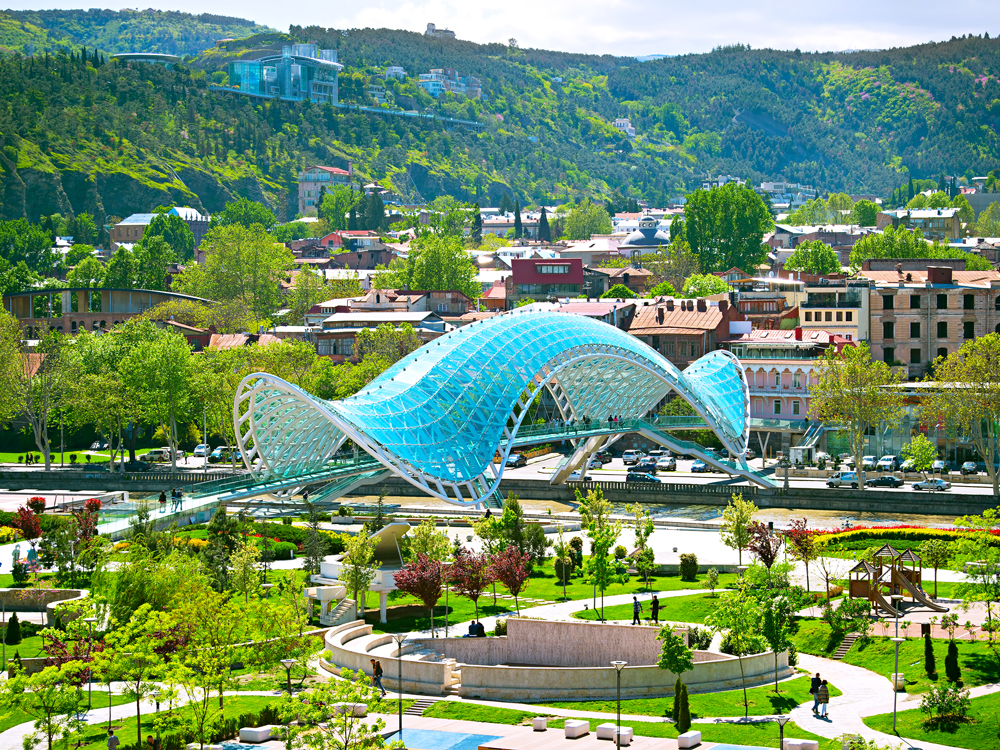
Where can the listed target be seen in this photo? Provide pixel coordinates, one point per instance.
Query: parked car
(868, 463)
(842, 479)
(822, 456)
(939, 467)
(220, 454)
(594, 464)
(887, 463)
(99, 445)
(667, 463)
(516, 459)
(635, 476)
(886, 480)
(154, 455)
(136, 466)
(576, 476)
(603, 456)
(751, 453)
(658, 453)
(969, 467)
(699, 466)
(932, 485)
(631, 457)
(200, 451)
(908, 465)
(646, 466)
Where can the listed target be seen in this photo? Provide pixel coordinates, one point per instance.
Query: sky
(628, 27)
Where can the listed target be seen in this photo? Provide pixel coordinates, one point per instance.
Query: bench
(793, 744)
(608, 732)
(689, 739)
(576, 728)
(255, 734)
(352, 709)
(540, 723)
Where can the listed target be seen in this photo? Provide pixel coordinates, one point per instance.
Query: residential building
(434, 31)
(129, 230)
(542, 278)
(448, 80)
(787, 195)
(376, 90)
(338, 334)
(301, 72)
(368, 258)
(837, 306)
(312, 181)
(504, 223)
(395, 71)
(351, 239)
(920, 315)
(934, 223)
(637, 279)
(624, 125)
(495, 296)
(682, 330)
(720, 180)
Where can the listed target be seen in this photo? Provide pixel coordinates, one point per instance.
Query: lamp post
(90, 645)
(267, 589)
(399, 638)
(155, 695)
(444, 575)
(288, 664)
(895, 678)
(896, 600)
(782, 720)
(619, 666)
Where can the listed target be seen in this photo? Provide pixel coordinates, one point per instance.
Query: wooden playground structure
(889, 576)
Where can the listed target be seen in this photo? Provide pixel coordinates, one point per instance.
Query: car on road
(939, 467)
(886, 480)
(631, 457)
(136, 466)
(514, 460)
(843, 479)
(969, 467)
(932, 485)
(646, 466)
(699, 466)
(887, 463)
(635, 476)
(200, 451)
(603, 456)
(576, 476)
(594, 464)
(667, 463)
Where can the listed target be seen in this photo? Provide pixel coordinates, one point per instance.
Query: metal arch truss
(438, 417)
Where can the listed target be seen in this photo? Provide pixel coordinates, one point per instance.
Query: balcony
(852, 303)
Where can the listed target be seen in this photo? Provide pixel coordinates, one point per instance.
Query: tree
(595, 518)
(839, 204)
(736, 521)
(979, 545)
(739, 614)
(663, 289)
(674, 263)
(21, 240)
(675, 656)
(242, 264)
(864, 213)
(425, 539)
(764, 545)
(858, 394)
(37, 385)
(470, 574)
(511, 568)
(966, 215)
(336, 205)
(778, 611)
(51, 697)
(153, 257)
(244, 213)
(359, 567)
(518, 228)
(387, 342)
(619, 291)
(83, 229)
(814, 256)
(642, 529)
(422, 578)
(245, 575)
(87, 273)
(922, 452)
(434, 262)
(586, 220)
(704, 285)
(969, 398)
(988, 223)
(725, 227)
(309, 290)
(801, 543)
(676, 228)
(935, 553)
(544, 232)
(175, 233)
(315, 548)
(901, 243)
(123, 270)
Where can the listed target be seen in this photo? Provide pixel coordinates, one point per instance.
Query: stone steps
(419, 706)
(845, 646)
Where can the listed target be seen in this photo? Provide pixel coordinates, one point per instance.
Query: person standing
(655, 607)
(824, 697)
(636, 609)
(814, 684)
(112, 740)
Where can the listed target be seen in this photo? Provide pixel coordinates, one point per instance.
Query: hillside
(110, 139)
(119, 31)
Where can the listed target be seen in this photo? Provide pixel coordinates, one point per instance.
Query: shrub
(73, 458)
(8, 534)
(699, 639)
(286, 521)
(36, 505)
(756, 645)
(684, 720)
(620, 552)
(793, 655)
(689, 567)
(500, 627)
(951, 668)
(576, 543)
(945, 704)
(21, 573)
(564, 569)
(12, 633)
(675, 713)
(930, 665)
(344, 511)
(283, 550)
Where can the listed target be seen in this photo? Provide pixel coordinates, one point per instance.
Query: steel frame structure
(436, 418)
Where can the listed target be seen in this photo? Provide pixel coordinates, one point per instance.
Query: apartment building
(682, 330)
(840, 307)
(312, 181)
(540, 279)
(920, 315)
(448, 80)
(934, 223)
(624, 125)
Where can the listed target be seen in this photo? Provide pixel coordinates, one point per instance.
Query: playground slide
(881, 602)
(916, 594)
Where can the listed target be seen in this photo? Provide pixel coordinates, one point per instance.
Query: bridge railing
(665, 488)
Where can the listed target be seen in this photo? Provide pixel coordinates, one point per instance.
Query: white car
(887, 463)
(932, 485)
(667, 463)
(576, 476)
(594, 463)
(867, 463)
(200, 451)
(822, 456)
(939, 467)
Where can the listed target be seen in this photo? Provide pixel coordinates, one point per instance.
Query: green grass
(694, 608)
(100, 700)
(459, 711)
(56, 456)
(762, 702)
(983, 733)
(978, 663)
(406, 613)
(28, 647)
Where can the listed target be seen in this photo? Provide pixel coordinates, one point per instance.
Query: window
(942, 302)
(889, 330)
(889, 302)
(553, 268)
(914, 356)
(829, 316)
(942, 329)
(840, 317)
(914, 330)
(777, 380)
(889, 355)
(970, 302)
(849, 316)
(669, 349)
(795, 407)
(777, 407)
(914, 301)
(442, 307)
(942, 352)
(969, 329)
(809, 317)
(797, 380)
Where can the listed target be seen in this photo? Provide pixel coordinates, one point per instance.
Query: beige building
(839, 307)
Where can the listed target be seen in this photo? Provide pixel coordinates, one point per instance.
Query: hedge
(227, 729)
(283, 550)
(886, 533)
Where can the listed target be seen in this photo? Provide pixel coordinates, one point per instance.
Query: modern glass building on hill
(300, 72)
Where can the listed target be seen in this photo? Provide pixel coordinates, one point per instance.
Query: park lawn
(459, 711)
(8, 457)
(763, 701)
(95, 737)
(28, 647)
(693, 608)
(99, 698)
(980, 734)
(978, 664)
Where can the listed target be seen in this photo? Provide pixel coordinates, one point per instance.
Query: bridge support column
(383, 597)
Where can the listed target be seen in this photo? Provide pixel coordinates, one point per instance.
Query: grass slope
(99, 700)
(694, 608)
(982, 733)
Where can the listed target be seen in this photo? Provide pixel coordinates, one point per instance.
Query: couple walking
(820, 692)
(637, 610)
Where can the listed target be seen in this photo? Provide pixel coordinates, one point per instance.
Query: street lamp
(619, 666)
(288, 664)
(90, 645)
(782, 720)
(399, 638)
(267, 588)
(895, 679)
(896, 601)
(155, 695)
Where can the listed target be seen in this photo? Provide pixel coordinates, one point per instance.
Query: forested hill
(113, 31)
(80, 134)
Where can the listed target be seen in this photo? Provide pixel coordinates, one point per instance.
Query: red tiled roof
(646, 321)
(233, 340)
(524, 271)
(959, 278)
(332, 170)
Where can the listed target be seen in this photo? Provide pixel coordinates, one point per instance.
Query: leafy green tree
(988, 223)
(838, 204)
(314, 548)
(425, 539)
(587, 219)
(814, 256)
(477, 225)
(77, 253)
(175, 232)
(935, 553)
(619, 291)
(123, 270)
(675, 656)
(16, 277)
(725, 227)
(642, 528)
(21, 240)
(704, 285)
(603, 532)
(359, 567)
(921, 451)
(87, 273)
(544, 232)
(245, 574)
(153, 257)
(434, 262)
(387, 342)
(739, 615)
(50, 697)
(676, 229)
(663, 289)
(518, 228)
(245, 213)
(902, 243)
(674, 263)
(83, 229)
(965, 213)
(865, 213)
(778, 611)
(814, 212)
(336, 205)
(736, 521)
(309, 290)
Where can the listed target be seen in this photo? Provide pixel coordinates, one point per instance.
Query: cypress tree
(518, 230)
(352, 220)
(675, 713)
(909, 191)
(929, 664)
(951, 668)
(684, 721)
(477, 224)
(544, 233)
(12, 635)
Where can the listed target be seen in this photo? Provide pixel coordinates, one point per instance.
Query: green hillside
(85, 135)
(120, 31)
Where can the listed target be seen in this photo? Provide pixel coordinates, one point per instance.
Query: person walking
(655, 607)
(823, 693)
(163, 501)
(377, 675)
(173, 499)
(112, 740)
(636, 609)
(814, 684)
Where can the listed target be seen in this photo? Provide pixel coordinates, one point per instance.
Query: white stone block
(606, 731)
(790, 743)
(354, 709)
(626, 737)
(809, 744)
(576, 728)
(255, 734)
(540, 723)
(689, 739)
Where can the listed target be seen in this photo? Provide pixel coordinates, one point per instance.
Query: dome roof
(647, 236)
